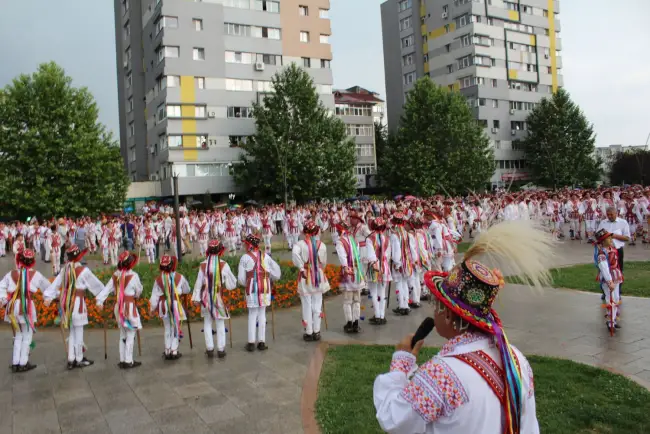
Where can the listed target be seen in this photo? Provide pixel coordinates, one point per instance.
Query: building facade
(503, 56)
(359, 109)
(188, 73)
(608, 154)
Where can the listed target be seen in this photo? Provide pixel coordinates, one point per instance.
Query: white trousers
(150, 251)
(46, 246)
(591, 226)
(574, 225)
(414, 284)
(3, 249)
(352, 305)
(292, 239)
(127, 337)
(378, 294)
(76, 344)
(56, 259)
(267, 244)
(105, 254)
(256, 320)
(203, 247)
(171, 341)
(22, 341)
(402, 293)
(312, 306)
(112, 250)
(609, 295)
(221, 333)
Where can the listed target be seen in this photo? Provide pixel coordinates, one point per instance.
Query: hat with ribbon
(74, 253)
(25, 258)
(311, 228)
(602, 235)
(168, 263)
(253, 240)
(356, 215)
(470, 288)
(215, 247)
(127, 260)
(342, 227)
(379, 224)
(398, 218)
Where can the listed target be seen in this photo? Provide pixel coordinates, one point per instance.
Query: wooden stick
(325, 313)
(65, 347)
(139, 344)
(189, 328)
(272, 319)
(105, 346)
(230, 329)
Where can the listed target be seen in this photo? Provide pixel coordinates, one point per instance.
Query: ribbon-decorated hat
(602, 235)
(398, 218)
(311, 228)
(470, 288)
(25, 258)
(215, 247)
(253, 240)
(379, 224)
(75, 254)
(127, 260)
(168, 263)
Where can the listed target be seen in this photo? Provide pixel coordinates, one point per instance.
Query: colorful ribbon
(513, 383)
(120, 299)
(171, 296)
(66, 306)
(23, 291)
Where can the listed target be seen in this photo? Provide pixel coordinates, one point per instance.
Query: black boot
(412, 305)
(316, 336)
(15, 368)
(121, 365)
(374, 321)
(307, 338)
(405, 311)
(132, 365)
(262, 346)
(27, 367)
(209, 353)
(221, 354)
(383, 321)
(250, 347)
(397, 311)
(72, 365)
(176, 356)
(355, 327)
(84, 363)
(347, 328)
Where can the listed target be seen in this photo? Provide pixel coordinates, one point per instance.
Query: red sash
(488, 369)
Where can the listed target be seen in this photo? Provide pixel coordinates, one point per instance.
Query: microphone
(423, 331)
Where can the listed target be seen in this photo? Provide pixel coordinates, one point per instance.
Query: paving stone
(179, 420)
(157, 396)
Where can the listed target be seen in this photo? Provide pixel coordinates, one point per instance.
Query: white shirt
(618, 227)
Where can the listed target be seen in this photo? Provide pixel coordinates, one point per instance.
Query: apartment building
(189, 71)
(359, 109)
(503, 56)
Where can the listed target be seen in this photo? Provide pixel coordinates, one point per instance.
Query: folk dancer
(203, 233)
(610, 276)
(149, 240)
(55, 243)
(267, 231)
(352, 278)
(70, 288)
(230, 235)
(360, 232)
(379, 270)
(477, 371)
(103, 241)
(19, 243)
(165, 300)
(588, 212)
(114, 241)
(17, 288)
(630, 212)
(214, 276)
(291, 228)
(414, 246)
(403, 263)
(310, 257)
(425, 253)
(126, 284)
(256, 271)
(3, 240)
(572, 209)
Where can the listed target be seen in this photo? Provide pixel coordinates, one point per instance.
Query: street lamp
(177, 214)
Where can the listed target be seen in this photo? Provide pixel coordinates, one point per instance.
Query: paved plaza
(260, 392)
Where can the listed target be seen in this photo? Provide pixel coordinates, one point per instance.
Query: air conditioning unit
(512, 111)
(545, 56)
(259, 66)
(445, 15)
(153, 177)
(153, 150)
(495, 130)
(513, 132)
(126, 63)
(212, 114)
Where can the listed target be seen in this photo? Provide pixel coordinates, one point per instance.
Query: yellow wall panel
(551, 34)
(513, 15)
(512, 74)
(533, 40)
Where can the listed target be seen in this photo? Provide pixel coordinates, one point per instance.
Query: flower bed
(284, 293)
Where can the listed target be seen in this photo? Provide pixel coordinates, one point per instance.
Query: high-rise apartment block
(189, 71)
(503, 56)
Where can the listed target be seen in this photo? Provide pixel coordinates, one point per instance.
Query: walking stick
(65, 348)
(325, 314)
(189, 328)
(230, 329)
(272, 318)
(139, 344)
(105, 350)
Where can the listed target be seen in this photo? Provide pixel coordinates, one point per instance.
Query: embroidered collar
(466, 343)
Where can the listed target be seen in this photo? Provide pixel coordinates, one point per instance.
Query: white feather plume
(519, 248)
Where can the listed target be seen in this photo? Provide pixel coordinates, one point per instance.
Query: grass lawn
(462, 247)
(571, 397)
(583, 277)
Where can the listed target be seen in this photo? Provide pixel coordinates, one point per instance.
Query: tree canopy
(631, 168)
(560, 145)
(439, 147)
(298, 144)
(55, 157)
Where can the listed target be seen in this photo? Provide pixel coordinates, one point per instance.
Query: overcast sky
(605, 54)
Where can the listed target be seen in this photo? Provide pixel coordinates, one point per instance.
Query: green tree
(300, 151)
(560, 145)
(438, 147)
(55, 157)
(630, 168)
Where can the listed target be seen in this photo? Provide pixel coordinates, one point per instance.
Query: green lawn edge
(571, 397)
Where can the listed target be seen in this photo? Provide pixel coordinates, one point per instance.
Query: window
(324, 13)
(445, 9)
(198, 53)
(465, 40)
(518, 125)
(464, 62)
(173, 111)
(325, 63)
(356, 110)
(125, 6)
(466, 81)
(409, 78)
(404, 5)
(200, 82)
(450, 69)
(129, 105)
(497, 144)
(483, 40)
(462, 20)
(405, 24)
(364, 150)
(164, 21)
(265, 86)
(425, 39)
(364, 169)
(324, 39)
(407, 41)
(236, 29)
(238, 57)
(161, 83)
(545, 13)
(127, 30)
(267, 6)
(495, 103)
(129, 80)
(265, 32)
(360, 130)
(167, 51)
(198, 24)
(236, 141)
(496, 124)
(131, 130)
(494, 82)
(306, 62)
(481, 102)
(304, 36)
(269, 59)
(448, 48)
(240, 112)
(303, 11)
(173, 81)
(175, 141)
(239, 85)
(161, 114)
(479, 81)
(199, 111)
(324, 89)
(407, 60)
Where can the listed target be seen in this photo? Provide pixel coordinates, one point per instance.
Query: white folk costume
(203, 233)
(478, 382)
(214, 277)
(572, 209)
(587, 210)
(17, 288)
(610, 276)
(352, 278)
(149, 240)
(630, 212)
(230, 234)
(126, 284)
(310, 257)
(256, 271)
(403, 263)
(70, 288)
(379, 273)
(267, 232)
(114, 241)
(291, 229)
(166, 302)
